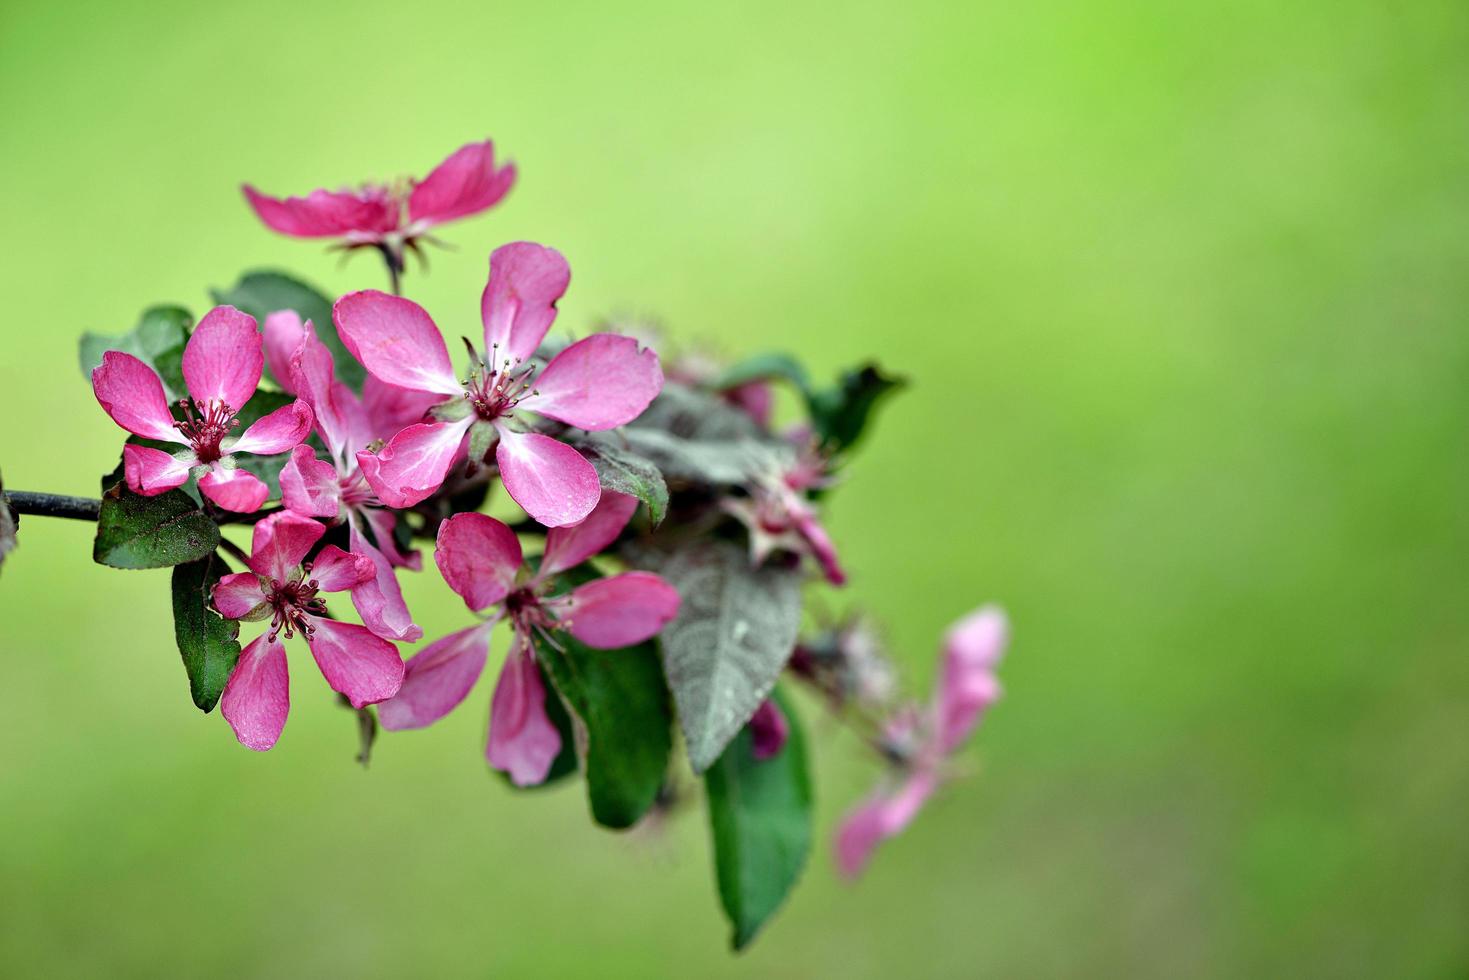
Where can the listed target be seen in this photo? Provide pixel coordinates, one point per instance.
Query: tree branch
(54, 505)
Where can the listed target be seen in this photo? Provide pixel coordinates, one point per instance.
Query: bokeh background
(1181, 289)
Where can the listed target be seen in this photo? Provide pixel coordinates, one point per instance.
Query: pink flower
(769, 730)
(780, 517)
(278, 587)
(481, 560)
(392, 216)
(965, 688)
(599, 382)
(222, 364)
(336, 490)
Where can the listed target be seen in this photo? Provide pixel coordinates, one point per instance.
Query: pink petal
(479, 557)
(234, 489)
(437, 679)
(323, 214)
(755, 399)
(769, 730)
(283, 332)
(382, 523)
(519, 302)
(238, 595)
(280, 431)
(223, 358)
(414, 463)
(390, 408)
(523, 742)
(257, 697)
(355, 662)
(464, 184)
(567, 547)
(379, 600)
(396, 340)
(152, 471)
(621, 610)
(281, 542)
(878, 819)
(968, 685)
(313, 377)
(309, 486)
(130, 392)
(553, 482)
(335, 570)
(600, 382)
(817, 540)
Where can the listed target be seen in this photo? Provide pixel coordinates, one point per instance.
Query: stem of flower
(54, 505)
(235, 550)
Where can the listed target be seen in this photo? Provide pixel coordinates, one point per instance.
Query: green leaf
(762, 367)
(734, 632)
(268, 468)
(692, 414)
(839, 415)
(621, 703)
(760, 815)
(623, 471)
(151, 532)
(7, 525)
(565, 762)
(208, 642)
(158, 340)
(482, 436)
(264, 292)
(711, 461)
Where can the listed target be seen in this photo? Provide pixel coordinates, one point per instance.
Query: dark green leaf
(691, 414)
(7, 525)
(763, 367)
(623, 471)
(712, 461)
(734, 632)
(268, 468)
(151, 532)
(264, 292)
(840, 414)
(619, 698)
(207, 641)
(158, 340)
(760, 815)
(565, 763)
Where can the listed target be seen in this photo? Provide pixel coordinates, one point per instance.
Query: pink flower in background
(336, 490)
(780, 517)
(965, 688)
(222, 365)
(396, 215)
(769, 729)
(599, 382)
(355, 661)
(481, 560)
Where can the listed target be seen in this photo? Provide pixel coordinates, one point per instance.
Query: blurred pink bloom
(966, 687)
(392, 216)
(769, 729)
(780, 517)
(336, 490)
(599, 382)
(481, 560)
(222, 365)
(279, 587)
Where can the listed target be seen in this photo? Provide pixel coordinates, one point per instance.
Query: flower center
(293, 603)
(493, 391)
(205, 425)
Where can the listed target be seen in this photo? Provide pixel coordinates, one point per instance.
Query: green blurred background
(1181, 289)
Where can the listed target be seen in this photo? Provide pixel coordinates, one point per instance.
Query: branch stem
(54, 505)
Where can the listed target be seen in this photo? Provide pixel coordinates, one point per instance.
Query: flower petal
(309, 486)
(567, 547)
(282, 333)
(355, 661)
(379, 600)
(437, 679)
(621, 610)
(324, 214)
(769, 730)
(396, 340)
(523, 741)
(223, 358)
(968, 685)
(817, 540)
(479, 557)
(130, 392)
(414, 463)
(553, 482)
(599, 382)
(152, 471)
(879, 818)
(519, 302)
(383, 523)
(257, 696)
(281, 542)
(464, 184)
(335, 570)
(234, 489)
(313, 377)
(389, 408)
(280, 431)
(238, 595)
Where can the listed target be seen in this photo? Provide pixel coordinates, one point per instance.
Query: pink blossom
(335, 490)
(922, 741)
(481, 560)
(279, 587)
(599, 382)
(222, 365)
(779, 516)
(769, 730)
(395, 216)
